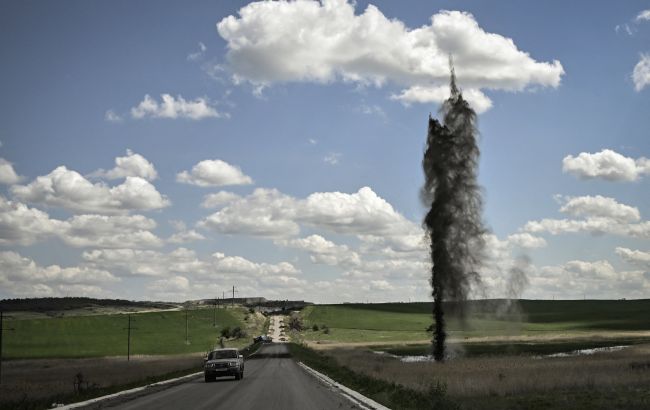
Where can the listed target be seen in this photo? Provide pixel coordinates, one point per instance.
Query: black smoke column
(454, 220)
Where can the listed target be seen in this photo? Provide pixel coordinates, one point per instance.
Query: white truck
(223, 362)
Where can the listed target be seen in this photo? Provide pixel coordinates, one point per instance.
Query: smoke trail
(516, 284)
(454, 219)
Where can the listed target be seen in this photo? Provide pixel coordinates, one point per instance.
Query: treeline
(69, 303)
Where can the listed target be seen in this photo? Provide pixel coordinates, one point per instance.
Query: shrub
(295, 322)
(315, 327)
(238, 333)
(225, 332)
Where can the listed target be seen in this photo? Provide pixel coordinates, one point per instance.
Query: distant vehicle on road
(263, 339)
(223, 362)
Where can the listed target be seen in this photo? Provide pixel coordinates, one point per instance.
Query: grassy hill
(408, 321)
(106, 335)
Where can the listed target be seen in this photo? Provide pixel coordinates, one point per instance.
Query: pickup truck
(223, 362)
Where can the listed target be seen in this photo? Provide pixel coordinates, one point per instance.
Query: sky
(171, 150)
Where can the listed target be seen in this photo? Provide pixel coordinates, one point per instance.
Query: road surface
(272, 381)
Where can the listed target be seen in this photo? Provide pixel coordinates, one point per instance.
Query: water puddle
(584, 352)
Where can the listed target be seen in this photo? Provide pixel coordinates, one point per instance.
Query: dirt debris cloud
(453, 222)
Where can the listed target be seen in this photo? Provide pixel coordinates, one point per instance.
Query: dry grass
(36, 379)
(507, 375)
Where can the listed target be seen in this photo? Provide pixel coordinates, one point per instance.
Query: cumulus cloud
(599, 206)
(438, 94)
(606, 164)
(323, 251)
(186, 236)
(635, 257)
(68, 189)
(215, 172)
(131, 165)
(15, 268)
(218, 199)
(239, 265)
(323, 42)
(268, 212)
(265, 212)
(643, 16)
(601, 215)
(526, 241)
(7, 174)
(109, 231)
(641, 73)
(141, 262)
(22, 225)
(178, 107)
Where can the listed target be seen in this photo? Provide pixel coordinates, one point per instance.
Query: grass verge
(45, 403)
(387, 393)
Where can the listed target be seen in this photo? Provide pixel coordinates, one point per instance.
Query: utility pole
(2, 329)
(128, 339)
(223, 296)
(186, 329)
(233, 296)
(214, 314)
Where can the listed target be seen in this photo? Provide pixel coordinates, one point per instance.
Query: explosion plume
(453, 222)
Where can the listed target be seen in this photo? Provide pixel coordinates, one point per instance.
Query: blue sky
(311, 119)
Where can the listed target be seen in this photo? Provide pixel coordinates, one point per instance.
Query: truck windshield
(222, 354)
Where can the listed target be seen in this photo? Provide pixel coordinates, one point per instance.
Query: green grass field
(409, 321)
(106, 335)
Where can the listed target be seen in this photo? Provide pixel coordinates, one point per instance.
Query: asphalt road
(272, 380)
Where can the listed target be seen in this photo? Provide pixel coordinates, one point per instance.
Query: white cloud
(178, 107)
(268, 212)
(109, 231)
(70, 190)
(332, 158)
(526, 241)
(7, 174)
(323, 251)
(309, 41)
(641, 73)
(172, 285)
(22, 225)
(146, 262)
(643, 16)
(606, 164)
(186, 236)
(214, 173)
(594, 226)
(600, 207)
(634, 256)
(131, 165)
(242, 266)
(198, 54)
(111, 116)
(16, 268)
(438, 94)
(218, 199)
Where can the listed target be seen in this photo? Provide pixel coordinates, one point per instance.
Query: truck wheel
(238, 376)
(208, 378)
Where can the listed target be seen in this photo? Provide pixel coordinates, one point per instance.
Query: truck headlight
(232, 364)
